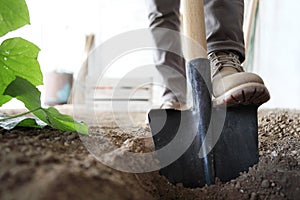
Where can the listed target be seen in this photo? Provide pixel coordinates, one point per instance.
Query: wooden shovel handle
(194, 27)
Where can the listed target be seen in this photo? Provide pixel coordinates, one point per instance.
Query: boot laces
(219, 60)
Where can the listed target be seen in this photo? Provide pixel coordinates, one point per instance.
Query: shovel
(197, 145)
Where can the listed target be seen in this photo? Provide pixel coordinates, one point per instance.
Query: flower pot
(57, 87)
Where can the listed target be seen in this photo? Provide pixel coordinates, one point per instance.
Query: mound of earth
(49, 164)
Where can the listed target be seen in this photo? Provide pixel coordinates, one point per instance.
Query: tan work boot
(232, 85)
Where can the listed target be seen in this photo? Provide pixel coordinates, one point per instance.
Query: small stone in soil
(253, 196)
(238, 185)
(7, 150)
(87, 165)
(265, 184)
(274, 154)
(23, 149)
(41, 136)
(72, 136)
(293, 152)
(273, 184)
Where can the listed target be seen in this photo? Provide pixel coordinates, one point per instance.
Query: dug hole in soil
(50, 164)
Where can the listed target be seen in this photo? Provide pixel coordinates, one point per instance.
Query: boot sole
(246, 94)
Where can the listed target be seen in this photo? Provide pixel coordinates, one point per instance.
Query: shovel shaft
(198, 68)
(199, 78)
(194, 27)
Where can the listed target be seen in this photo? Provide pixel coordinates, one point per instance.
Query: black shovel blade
(235, 151)
(179, 129)
(237, 147)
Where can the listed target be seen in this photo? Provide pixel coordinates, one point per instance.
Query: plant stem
(19, 115)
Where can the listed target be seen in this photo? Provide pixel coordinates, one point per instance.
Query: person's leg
(171, 66)
(224, 26)
(225, 44)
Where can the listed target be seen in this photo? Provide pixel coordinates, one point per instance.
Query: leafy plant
(20, 72)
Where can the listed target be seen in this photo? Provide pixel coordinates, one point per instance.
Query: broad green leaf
(26, 92)
(4, 99)
(18, 57)
(13, 15)
(63, 122)
(22, 122)
(30, 96)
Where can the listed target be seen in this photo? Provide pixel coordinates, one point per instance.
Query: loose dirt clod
(265, 184)
(51, 164)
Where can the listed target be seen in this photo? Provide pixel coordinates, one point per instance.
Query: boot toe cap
(222, 84)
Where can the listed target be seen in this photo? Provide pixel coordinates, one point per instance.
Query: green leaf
(18, 57)
(13, 15)
(24, 91)
(30, 96)
(4, 99)
(61, 121)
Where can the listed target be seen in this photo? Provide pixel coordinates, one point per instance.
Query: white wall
(59, 27)
(118, 17)
(277, 51)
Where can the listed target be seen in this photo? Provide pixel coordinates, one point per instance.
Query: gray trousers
(224, 23)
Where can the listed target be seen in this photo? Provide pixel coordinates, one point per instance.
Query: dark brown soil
(50, 164)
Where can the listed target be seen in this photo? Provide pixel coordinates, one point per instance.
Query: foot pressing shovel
(197, 145)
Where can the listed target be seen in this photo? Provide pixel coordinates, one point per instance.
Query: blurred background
(66, 30)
